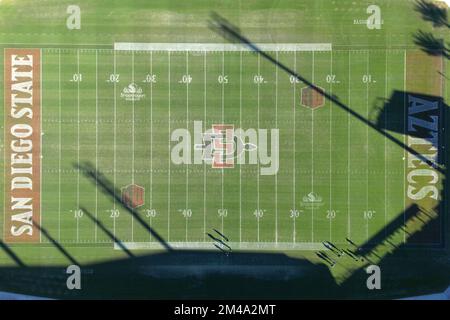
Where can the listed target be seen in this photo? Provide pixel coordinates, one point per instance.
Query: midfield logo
(223, 146)
(132, 93)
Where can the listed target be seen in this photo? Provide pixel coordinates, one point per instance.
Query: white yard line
(132, 141)
(223, 121)
(169, 160)
(294, 191)
(330, 137)
(312, 154)
(404, 142)
(367, 147)
(4, 170)
(187, 128)
(276, 126)
(60, 145)
(240, 165)
(204, 163)
(258, 120)
(115, 144)
(42, 156)
(151, 132)
(151, 141)
(349, 147)
(385, 147)
(78, 142)
(96, 144)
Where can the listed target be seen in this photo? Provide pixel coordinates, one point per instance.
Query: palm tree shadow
(432, 13)
(431, 45)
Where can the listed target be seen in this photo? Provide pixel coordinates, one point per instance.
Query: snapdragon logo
(223, 146)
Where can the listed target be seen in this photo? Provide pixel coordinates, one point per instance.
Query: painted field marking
(276, 126)
(78, 142)
(385, 146)
(294, 232)
(187, 128)
(204, 163)
(96, 145)
(404, 142)
(330, 139)
(151, 132)
(115, 144)
(223, 121)
(312, 153)
(151, 141)
(132, 141)
(181, 245)
(367, 145)
(169, 161)
(258, 116)
(59, 145)
(349, 147)
(240, 165)
(41, 144)
(218, 47)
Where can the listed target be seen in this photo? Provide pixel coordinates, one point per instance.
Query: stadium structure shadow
(108, 188)
(406, 266)
(231, 33)
(11, 254)
(114, 239)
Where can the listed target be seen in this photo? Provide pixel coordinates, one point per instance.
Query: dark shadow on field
(11, 254)
(433, 13)
(114, 239)
(416, 262)
(231, 33)
(174, 274)
(424, 117)
(191, 274)
(431, 45)
(392, 114)
(396, 228)
(181, 275)
(56, 244)
(108, 188)
(399, 264)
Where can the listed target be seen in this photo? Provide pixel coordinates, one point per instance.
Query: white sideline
(136, 46)
(279, 246)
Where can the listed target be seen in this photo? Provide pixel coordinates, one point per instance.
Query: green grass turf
(352, 167)
(325, 150)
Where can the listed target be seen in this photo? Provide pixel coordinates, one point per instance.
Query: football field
(265, 128)
(335, 176)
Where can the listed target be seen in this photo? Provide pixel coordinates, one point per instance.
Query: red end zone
(22, 144)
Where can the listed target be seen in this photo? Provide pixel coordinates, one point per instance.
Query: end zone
(22, 144)
(425, 124)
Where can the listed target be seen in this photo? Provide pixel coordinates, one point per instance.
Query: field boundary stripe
(285, 246)
(141, 46)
